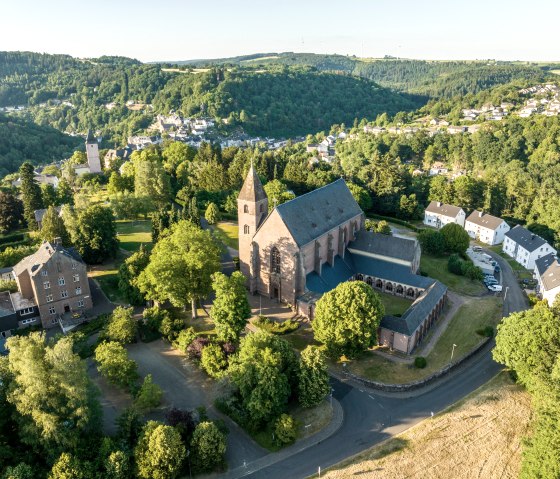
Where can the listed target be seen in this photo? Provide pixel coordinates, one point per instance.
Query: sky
(175, 30)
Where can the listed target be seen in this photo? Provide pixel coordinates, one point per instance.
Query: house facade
(438, 214)
(486, 228)
(525, 247)
(547, 274)
(53, 282)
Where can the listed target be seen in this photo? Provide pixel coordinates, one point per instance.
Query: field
(437, 268)
(134, 233)
(473, 315)
(477, 438)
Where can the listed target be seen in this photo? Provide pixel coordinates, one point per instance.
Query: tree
(183, 421)
(64, 193)
(149, 396)
(122, 327)
(52, 392)
(11, 212)
(160, 452)
(455, 238)
(52, 227)
(113, 363)
(212, 214)
(117, 466)
(285, 429)
(208, 446)
(31, 194)
(277, 193)
(230, 309)
(264, 372)
(408, 207)
(96, 234)
(181, 266)
(68, 467)
(48, 193)
(20, 471)
(361, 196)
(151, 181)
(313, 378)
(347, 318)
(213, 360)
(432, 242)
(128, 274)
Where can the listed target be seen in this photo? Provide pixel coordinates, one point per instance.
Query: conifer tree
(31, 194)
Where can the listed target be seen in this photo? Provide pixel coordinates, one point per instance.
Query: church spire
(252, 189)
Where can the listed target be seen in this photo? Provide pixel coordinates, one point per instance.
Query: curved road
(371, 417)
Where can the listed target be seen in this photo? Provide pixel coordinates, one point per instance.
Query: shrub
(472, 272)
(113, 363)
(194, 350)
(285, 430)
(8, 285)
(213, 360)
(274, 327)
(455, 264)
(420, 362)
(184, 339)
(487, 331)
(183, 421)
(170, 328)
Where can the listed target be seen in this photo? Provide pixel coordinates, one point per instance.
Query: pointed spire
(252, 189)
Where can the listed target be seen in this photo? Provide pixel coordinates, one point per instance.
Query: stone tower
(92, 151)
(252, 209)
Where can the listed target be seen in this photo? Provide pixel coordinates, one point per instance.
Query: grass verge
(436, 268)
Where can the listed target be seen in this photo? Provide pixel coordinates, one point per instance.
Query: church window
(275, 260)
(246, 229)
(245, 209)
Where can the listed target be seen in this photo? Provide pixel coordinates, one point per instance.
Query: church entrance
(275, 292)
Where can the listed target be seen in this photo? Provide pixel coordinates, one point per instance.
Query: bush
(285, 430)
(184, 339)
(194, 350)
(8, 285)
(213, 360)
(420, 362)
(274, 327)
(113, 363)
(455, 264)
(472, 272)
(170, 328)
(487, 331)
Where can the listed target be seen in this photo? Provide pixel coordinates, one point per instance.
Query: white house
(438, 168)
(547, 273)
(525, 247)
(438, 214)
(486, 228)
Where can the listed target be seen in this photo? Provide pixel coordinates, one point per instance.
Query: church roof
(90, 138)
(310, 216)
(384, 245)
(252, 189)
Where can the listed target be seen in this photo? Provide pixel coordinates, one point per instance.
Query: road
(371, 417)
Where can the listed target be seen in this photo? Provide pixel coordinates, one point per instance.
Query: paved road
(371, 417)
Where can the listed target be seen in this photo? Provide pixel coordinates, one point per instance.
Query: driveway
(101, 303)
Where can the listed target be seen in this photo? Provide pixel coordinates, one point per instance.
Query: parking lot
(490, 268)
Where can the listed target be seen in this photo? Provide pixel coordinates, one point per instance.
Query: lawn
(134, 233)
(203, 324)
(436, 268)
(473, 315)
(228, 233)
(479, 437)
(394, 305)
(106, 275)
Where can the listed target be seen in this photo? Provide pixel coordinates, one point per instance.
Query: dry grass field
(478, 438)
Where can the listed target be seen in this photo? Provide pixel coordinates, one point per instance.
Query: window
(49, 298)
(54, 320)
(80, 303)
(64, 294)
(58, 267)
(44, 272)
(245, 209)
(26, 311)
(76, 278)
(27, 321)
(78, 290)
(61, 281)
(47, 285)
(275, 260)
(52, 310)
(246, 229)
(74, 265)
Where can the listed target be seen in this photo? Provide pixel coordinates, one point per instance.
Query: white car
(496, 288)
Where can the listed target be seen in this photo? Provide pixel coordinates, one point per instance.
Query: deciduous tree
(52, 227)
(313, 377)
(113, 363)
(96, 234)
(208, 446)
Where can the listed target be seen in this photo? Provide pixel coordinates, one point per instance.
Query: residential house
(39, 214)
(486, 228)
(438, 168)
(525, 247)
(7, 274)
(547, 274)
(438, 214)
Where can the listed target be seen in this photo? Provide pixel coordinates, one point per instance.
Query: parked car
(477, 248)
(497, 269)
(489, 281)
(496, 288)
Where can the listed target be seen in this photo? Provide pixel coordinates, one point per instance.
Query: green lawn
(474, 315)
(394, 305)
(106, 275)
(436, 268)
(228, 233)
(134, 233)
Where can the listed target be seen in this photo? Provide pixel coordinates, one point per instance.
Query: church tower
(92, 151)
(252, 209)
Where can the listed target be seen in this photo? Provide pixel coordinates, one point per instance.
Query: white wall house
(486, 228)
(525, 247)
(547, 273)
(438, 215)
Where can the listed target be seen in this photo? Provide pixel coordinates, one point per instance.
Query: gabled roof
(485, 220)
(384, 245)
(252, 189)
(548, 268)
(443, 209)
(310, 216)
(525, 238)
(34, 262)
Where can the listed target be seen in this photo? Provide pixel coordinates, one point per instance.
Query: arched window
(360, 277)
(245, 209)
(369, 280)
(275, 260)
(246, 229)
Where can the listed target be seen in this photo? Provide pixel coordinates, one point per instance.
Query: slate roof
(6, 306)
(331, 276)
(548, 268)
(525, 238)
(443, 209)
(485, 220)
(310, 216)
(417, 313)
(39, 214)
(252, 189)
(34, 262)
(385, 245)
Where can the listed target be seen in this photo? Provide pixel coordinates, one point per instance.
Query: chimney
(480, 213)
(438, 204)
(58, 241)
(532, 237)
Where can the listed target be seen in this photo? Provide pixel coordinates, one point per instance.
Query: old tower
(92, 151)
(252, 209)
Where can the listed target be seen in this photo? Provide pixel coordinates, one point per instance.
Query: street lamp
(452, 351)
(505, 294)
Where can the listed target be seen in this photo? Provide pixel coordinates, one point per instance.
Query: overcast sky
(185, 29)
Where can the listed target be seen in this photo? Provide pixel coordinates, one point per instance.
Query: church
(307, 246)
(93, 164)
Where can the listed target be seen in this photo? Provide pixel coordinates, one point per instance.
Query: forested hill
(428, 78)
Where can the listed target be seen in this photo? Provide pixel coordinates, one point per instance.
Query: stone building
(307, 246)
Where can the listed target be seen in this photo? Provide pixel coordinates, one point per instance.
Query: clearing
(436, 268)
(478, 437)
(134, 233)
